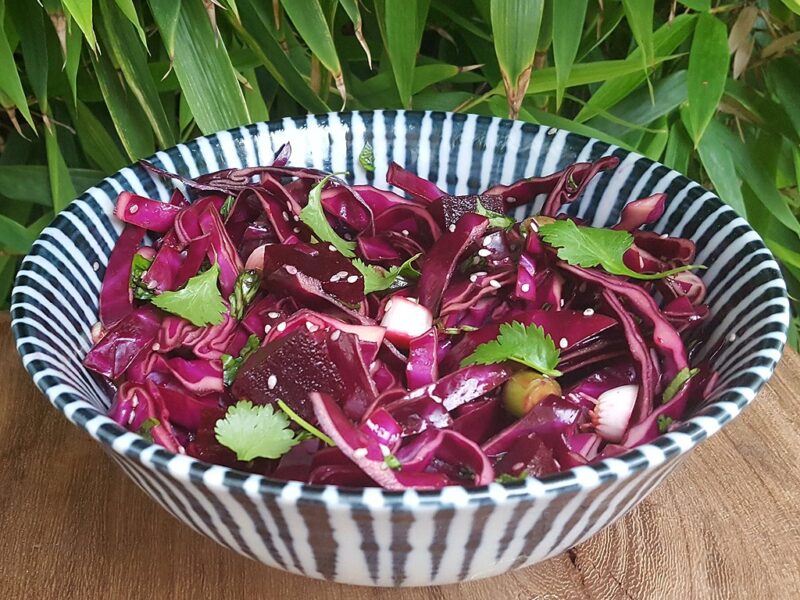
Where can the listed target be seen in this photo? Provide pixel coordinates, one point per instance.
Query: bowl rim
(666, 447)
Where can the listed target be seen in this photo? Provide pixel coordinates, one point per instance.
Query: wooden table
(726, 525)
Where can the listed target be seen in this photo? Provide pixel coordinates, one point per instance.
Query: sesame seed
(495, 284)
(156, 346)
(131, 417)
(285, 216)
(151, 285)
(732, 338)
(331, 247)
(405, 232)
(473, 278)
(96, 266)
(525, 288)
(267, 328)
(348, 237)
(295, 217)
(588, 312)
(352, 279)
(480, 273)
(563, 343)
(135, 401)
(272, 381)
(452, 228)
(664, 236)
(273, 314)
(336, 335)
(551, 131)
(134, 209)
(518, 466)
(291, 270)
(311, 327)
(561, 304)
(487, 241)
(296, 230)
(360, 453)
(534, 226)
(281, 326)
(484, 252)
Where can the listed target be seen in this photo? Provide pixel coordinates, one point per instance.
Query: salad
(289, 324)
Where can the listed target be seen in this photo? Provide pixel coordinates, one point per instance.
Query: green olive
(526, 389)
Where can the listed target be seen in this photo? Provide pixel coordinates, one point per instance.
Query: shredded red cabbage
(377, 327)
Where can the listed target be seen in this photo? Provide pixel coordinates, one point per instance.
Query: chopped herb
(459, 329)
(663, 423)
(509, 478)
(313, 215)
(232, 364)
(366, 157)
(199, 302)
(676, 384)
(495, 219)
(139, 266)
(392, 462)
(597, 247)
(225, 210)
(377, 279)
(146, 426)
(255, 431)
(310, 429)
(529, 346)
(245, 289)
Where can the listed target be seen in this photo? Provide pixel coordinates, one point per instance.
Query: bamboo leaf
(515, 26)
(720, 169)
(708, 70)
(665, 40)
(73, 59)
(463, 21)
(127, 8)
(166, 13)
(29, 183)
(204, 70)
(699, 5)
(679, 149)
(61, 189)
(96, 142)
(783, 79)
(792, 5)
(401, 24)
(254, 98)
(126, 114)
(640, 18)
(568, 19)
(81, 11)
(10, 83)
(352, 10)
(309, 20)
(14, 238)
(28, 19)
(261, 38)
(119, 37)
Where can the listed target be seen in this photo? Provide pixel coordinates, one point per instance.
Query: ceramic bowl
(371, 536)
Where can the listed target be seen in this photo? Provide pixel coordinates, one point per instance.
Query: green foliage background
(711, 88)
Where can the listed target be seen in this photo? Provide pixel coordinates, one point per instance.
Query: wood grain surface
(725, 525)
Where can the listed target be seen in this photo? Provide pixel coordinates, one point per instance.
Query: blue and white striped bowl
(370, 536)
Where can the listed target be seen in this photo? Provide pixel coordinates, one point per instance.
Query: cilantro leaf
(226, 207)
(313, 215)
(232, 364)
(244, 292)
(597, 247)
(393, 462)
(255, 431)
(199, 301)
(366, 157)
(310, 429)
(508, 478)
(377, 279)
(495, 219)
(676, 384)
(146, 426)
(527, 345)
(663, 422)
(139, 266)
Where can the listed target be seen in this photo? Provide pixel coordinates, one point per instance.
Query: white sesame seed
(534, 226)
(518, 466)
(285, 216)
(336, 335)
(331, 247)
(495, 284)
(452, 228)
(525, 288)
(156, 346)
(267, 328)
(405, 232)
(664, 236)
(551, 131)
(480, 273)
(732, 338)
(484, 252)
(487, 241)
(561, 304)
(134, 209)
(360, 453)
(473, 278)
(151, 285)
(348, 237)
(135, 401)
(131, 417)
(311, 327)
(291, 270)
(563, 343)
(588, 312)
(273, 315)
(272, 381)
(352, 279)
(96, 266)
(281, 326)
(295, 217)
(296, 230)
